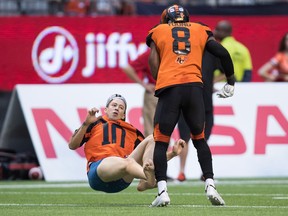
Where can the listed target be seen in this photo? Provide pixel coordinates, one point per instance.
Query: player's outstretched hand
(178, 146)
(90, 118)
(226, 91)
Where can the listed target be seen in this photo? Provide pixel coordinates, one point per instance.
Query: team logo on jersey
(181, 59)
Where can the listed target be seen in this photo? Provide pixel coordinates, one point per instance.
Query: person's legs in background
(184, 132)
(149, 106)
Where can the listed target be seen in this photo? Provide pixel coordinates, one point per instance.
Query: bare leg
(144, 150)
(183, 157)
(114, 168)
(149, 172)
(143, 154)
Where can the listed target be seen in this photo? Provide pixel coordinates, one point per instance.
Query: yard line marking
(40, 204)
(274, 196)
(280, 198)
(235, 183)
(45, 185)
(144, 205)
(235, 206)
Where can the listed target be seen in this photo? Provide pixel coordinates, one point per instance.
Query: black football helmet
(175, 13)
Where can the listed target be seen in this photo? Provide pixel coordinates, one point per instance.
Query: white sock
(162, 185)
(209, 181)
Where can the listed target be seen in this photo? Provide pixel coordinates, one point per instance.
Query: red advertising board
(41, 50)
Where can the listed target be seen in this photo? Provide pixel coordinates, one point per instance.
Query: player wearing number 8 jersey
(177, 47)
(116, 151)
(181, 54)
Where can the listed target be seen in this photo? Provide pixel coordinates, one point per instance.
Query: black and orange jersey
(106, 138)
(180, 47)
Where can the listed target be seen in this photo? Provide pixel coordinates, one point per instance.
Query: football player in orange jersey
(115, 150)
(177, 47)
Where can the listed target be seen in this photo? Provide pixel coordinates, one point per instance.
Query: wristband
(231, 80)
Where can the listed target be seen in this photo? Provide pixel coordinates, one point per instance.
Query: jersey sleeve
(139, 139)
(207, 29)
(149, 39)
(88, 131)
(149, 36)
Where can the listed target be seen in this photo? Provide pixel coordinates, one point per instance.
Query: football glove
(226, 91)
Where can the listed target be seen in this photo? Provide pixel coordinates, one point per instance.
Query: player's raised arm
(154, 60)
(78, 135)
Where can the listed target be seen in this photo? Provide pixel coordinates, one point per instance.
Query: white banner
(53, 112)
(250, 136)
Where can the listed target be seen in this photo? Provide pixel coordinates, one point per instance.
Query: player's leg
(143, 154)
(149, 106)
(114, 168)
(184, 132)
(209, 116)
(209, 122)
(144, 150)
(166, 116)
(96, 183)
(194, 115)
(150, 181)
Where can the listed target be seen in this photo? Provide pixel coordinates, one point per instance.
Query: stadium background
(259, 27)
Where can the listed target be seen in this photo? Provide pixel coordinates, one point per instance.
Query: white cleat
(161, 200)
(213, 195)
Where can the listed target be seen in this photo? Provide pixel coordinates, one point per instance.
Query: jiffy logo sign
(55, 53)
(57, 62)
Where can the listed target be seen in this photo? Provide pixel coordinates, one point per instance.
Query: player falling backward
(175, 60)
(116, 151)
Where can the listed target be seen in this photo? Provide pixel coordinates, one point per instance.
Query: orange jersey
(180, 47)
(107, 138)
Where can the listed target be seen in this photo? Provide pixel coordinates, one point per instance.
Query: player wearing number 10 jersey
(175, 60)
(116, 151)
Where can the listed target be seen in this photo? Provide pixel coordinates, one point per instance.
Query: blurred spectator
(277, 68)
(77, 7)
(105, 7)
(239, 52)
(139, 71)
(20, 8)
(126, 8)
(56, 7)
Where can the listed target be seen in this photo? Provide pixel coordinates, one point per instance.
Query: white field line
(280, 198)
(235, 183)
(274, 196)
(44, 185)
(174, 206)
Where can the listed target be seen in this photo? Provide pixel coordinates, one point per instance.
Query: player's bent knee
(128, 163)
